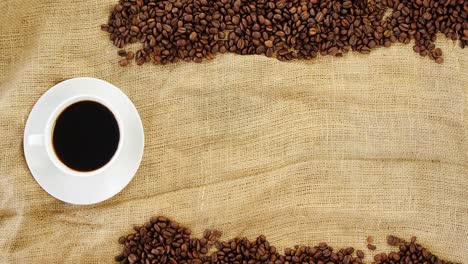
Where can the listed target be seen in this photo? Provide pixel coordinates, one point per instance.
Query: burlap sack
(333, 150)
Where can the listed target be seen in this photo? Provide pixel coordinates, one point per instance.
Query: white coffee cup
(52, 174)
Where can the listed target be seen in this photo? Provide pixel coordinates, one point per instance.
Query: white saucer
(58, 180)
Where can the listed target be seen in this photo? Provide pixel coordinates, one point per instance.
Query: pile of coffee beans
(193, 30)
(164, 241)
(260, 251)
(409, 252)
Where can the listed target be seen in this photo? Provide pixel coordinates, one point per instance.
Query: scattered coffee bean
(164, 241)
(172, 31)
(371, 247)
(122, 240)
(122, 53)
(391, 240)
(409, 252)
(123, 62)
(130, 55)
(105, 27)
(370, 240)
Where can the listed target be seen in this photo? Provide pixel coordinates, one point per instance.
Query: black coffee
(86, 136)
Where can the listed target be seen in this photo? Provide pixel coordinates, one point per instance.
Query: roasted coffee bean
(130, 55)
(135, 29)
(105, 27)
(122, 240)
(132, 258)
(371, 247)
(123, 62)
(360, 254)
(268, 44)
(193, 36)
(170, 30)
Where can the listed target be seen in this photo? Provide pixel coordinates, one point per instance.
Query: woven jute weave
(333, 149)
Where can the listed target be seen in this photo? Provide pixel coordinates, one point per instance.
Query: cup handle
(36, 140)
